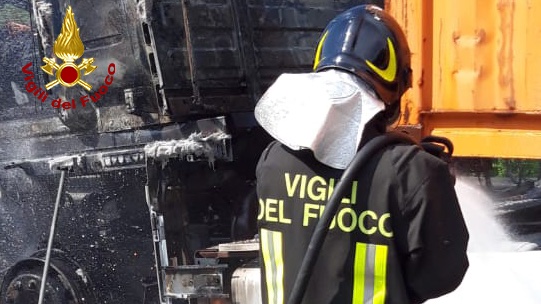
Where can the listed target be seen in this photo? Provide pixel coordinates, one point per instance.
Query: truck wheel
(66, 283)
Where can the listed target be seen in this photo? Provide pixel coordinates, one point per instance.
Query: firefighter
(399, 235)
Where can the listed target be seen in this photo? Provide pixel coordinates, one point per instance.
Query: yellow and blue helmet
(367, 41)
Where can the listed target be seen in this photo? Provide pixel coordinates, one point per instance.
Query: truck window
(15, 51)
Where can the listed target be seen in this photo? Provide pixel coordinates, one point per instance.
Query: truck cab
(150, 152)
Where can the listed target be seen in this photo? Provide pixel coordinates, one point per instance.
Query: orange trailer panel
(477, 74)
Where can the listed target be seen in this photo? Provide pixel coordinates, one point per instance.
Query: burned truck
(127, 164)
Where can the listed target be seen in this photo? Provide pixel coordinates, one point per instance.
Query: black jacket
(399, 237)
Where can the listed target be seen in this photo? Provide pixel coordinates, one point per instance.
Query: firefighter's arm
(437, 238)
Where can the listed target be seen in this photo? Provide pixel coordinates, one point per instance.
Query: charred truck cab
(158, 204)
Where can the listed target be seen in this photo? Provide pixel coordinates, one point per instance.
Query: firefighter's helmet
(368, 42)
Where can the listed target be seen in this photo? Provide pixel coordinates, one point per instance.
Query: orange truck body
(476, 74)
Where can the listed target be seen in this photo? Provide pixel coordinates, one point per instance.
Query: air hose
(322, 227)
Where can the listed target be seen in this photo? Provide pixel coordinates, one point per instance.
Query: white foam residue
(63, 162)
(81, 274)
(20, 97)
(196, 144)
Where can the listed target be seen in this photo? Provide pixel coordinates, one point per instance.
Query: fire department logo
(68, 47)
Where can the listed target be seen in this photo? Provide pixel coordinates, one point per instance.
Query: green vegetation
(517, 170)
(9, 12)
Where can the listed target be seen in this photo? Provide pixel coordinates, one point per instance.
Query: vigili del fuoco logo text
(69, 48)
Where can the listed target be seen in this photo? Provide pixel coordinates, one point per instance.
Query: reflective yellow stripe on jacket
(370, 269)
(271, 248)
